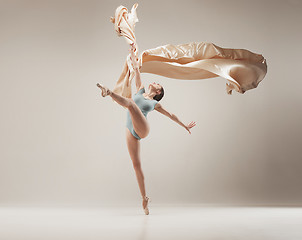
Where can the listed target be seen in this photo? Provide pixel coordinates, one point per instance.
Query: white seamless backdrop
(63, 144)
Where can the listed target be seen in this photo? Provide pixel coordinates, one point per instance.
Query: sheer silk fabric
(243, 69)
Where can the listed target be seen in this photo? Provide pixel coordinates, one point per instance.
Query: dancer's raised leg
(140, 123)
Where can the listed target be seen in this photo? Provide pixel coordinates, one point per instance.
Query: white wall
(61, 143)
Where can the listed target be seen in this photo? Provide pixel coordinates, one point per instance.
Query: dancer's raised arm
(135, 65)
(160, 108)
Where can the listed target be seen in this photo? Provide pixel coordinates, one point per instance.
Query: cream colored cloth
(124, 24)
(242, 68)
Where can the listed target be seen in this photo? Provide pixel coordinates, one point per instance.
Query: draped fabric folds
(242, 68)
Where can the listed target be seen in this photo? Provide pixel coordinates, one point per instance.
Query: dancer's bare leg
(133, 145)
(140, 123)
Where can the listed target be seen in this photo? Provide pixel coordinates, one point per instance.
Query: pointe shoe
(146, 209)
(105, 90)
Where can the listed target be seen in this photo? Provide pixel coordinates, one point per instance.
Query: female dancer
(137, 124)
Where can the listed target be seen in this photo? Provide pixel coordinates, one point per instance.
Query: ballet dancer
(137, 126)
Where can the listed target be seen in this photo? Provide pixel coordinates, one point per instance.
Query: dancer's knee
(137, 165)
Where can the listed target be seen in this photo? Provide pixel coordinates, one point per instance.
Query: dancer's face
(155, 87)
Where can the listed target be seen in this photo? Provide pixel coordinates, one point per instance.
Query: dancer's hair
(158, 97)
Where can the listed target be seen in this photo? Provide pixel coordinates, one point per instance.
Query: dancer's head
(158, 89)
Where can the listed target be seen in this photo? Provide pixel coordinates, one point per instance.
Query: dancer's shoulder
(141, 90)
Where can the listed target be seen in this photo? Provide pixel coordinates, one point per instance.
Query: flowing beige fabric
(124, 24)
(242, 68)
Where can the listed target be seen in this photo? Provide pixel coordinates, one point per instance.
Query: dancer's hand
(133, 46)
(133, 58)
(189, 126)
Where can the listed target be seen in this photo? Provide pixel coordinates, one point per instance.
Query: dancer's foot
(105, 90)
(145, 204)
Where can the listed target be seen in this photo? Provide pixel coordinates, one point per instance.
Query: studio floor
(164, 222)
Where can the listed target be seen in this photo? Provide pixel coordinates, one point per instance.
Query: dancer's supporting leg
(133, 145)
(140, 123)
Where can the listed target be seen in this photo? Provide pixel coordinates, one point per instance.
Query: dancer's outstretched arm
(135, 64)
(160, 108)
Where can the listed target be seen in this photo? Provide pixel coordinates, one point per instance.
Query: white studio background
(63, 144)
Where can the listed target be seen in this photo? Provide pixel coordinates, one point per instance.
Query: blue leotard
(145, 105)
